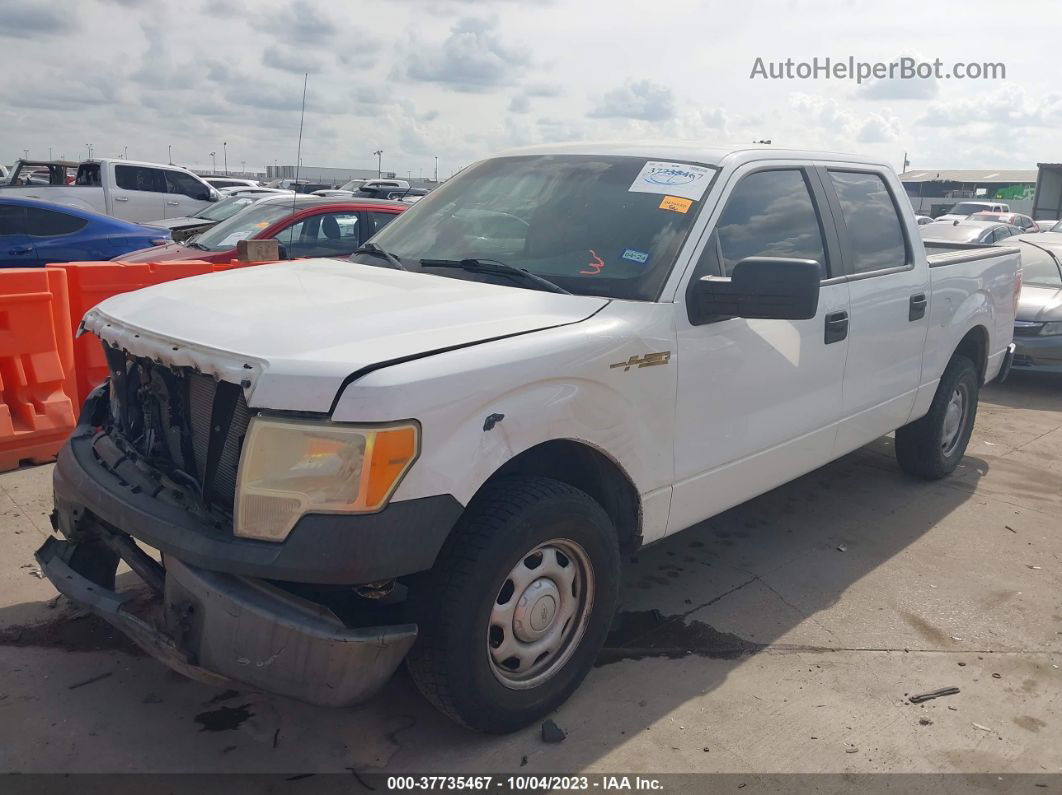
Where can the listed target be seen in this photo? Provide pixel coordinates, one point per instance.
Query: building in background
(933, 192)
(1047, 203)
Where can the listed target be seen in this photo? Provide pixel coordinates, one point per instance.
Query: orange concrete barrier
(39, 396)
(90, 283)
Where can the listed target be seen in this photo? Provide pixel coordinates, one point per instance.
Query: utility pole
(379, 162)
(169, 153)
(214, 163)
(436, 168)
(906, 163)
(225, 154)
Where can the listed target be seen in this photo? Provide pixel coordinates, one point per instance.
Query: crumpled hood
(1040, 303)
(177, 223)
(292, 332)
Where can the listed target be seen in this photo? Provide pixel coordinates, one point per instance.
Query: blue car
(34, 232)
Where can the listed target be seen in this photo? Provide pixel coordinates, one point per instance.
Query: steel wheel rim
(954, 419)
(540, 614)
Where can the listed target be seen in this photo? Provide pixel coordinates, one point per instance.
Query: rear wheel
(516, 609)
(933, 446)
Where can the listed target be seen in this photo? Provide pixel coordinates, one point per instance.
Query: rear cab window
(872, 221)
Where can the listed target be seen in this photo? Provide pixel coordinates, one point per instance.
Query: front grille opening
(184, 423)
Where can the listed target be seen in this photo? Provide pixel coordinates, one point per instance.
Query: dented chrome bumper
(222, 628)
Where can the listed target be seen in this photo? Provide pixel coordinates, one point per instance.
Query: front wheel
(514, 612)
(933, 446)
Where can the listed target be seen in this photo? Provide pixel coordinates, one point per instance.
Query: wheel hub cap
(953, 421)
(540, 614)
(536, 610)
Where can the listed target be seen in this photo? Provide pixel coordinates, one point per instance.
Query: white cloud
(642, 99)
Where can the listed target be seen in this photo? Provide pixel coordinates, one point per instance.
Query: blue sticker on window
(636, 256)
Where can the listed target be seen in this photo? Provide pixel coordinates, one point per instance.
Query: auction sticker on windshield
(672, 179)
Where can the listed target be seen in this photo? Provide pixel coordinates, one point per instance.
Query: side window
(12, 220)
(875, 231)
(179, 182)
(140, 178)
(380, 220)
(46, 223)
(326, 235)
(768, 214)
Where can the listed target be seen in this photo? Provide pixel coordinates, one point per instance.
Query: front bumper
(1039, 354)
(221, 628)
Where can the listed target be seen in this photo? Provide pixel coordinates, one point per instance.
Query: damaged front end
(220, 628)
(154, 458)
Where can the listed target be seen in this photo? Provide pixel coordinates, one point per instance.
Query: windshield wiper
(475, 265)
(192, 244)
(376, 251)
(1049, 252)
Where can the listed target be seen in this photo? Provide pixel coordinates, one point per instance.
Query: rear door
(889, 297)
(138, 193)
(16, 246)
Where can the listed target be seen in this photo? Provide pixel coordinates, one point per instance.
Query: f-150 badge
(648, 360)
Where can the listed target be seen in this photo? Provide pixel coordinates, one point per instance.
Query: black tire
(452, 604)
(923, 447)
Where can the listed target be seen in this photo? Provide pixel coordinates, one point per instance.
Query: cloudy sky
(464, 78)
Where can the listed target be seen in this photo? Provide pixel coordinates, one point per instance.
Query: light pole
(25, 153)
(225, 155)
(89, 151)
(436, 168)
(49, 153)
(214, 162)
(125, 153)
(243, 166)
(379, 162)
(169, 153)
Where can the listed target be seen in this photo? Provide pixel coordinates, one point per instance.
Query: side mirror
(760, 287)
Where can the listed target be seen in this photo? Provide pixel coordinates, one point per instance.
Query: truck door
(889, 295)
(138, 193)
(184, 195)
(759, 400)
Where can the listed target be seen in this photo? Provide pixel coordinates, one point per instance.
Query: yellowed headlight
(289, 468)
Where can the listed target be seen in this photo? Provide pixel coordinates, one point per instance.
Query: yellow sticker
(676, 204)
(262, 225)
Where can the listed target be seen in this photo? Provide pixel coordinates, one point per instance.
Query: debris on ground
(944, 691)
(851, 749)
(1010, 528)
(842, 548)
(997, 676)
(90, 681)
(925, 722)
(523, 761)
(552, 733)
(979, 727)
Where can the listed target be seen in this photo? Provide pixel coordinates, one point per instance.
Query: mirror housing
(777, 288)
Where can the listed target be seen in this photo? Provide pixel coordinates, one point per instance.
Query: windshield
(1037, 267)
(354, 184)
(243, 225)
(595, 225)
(1050, 226)
(226, 208)
(968, 208)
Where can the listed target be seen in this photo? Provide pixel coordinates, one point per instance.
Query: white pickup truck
(128, 190)
(442, 450)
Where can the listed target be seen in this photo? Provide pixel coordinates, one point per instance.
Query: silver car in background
(1038, 321)
(967, 231)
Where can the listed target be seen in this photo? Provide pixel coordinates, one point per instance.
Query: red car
(306, 226)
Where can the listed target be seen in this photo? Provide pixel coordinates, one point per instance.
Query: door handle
(20, 250)
(172, 203)
(121, 198)
(917, 309)
(836, 327)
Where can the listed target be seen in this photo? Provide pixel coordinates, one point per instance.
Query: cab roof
(692, 151)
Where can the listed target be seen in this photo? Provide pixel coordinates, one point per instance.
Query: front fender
(548, 385)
